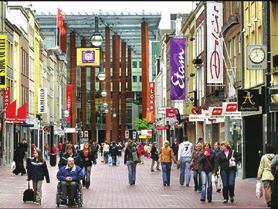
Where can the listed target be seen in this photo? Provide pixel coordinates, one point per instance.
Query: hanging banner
(3, 60)
(11, 112)
(42, 100)
(68, 102)
(215, 46)
(177, 69)
(171, 112)
(88, 57)
(22, 113)
(6, 97)
(150, 118)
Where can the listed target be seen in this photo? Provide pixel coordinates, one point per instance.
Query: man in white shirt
(184, 158)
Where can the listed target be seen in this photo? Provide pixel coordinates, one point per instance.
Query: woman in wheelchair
(69, 177)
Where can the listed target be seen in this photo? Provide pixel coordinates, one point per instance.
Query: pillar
(116, 66)
(83, 92)
(107, 84)
(123, 90)
(93, 104)
(73, 83)
(145, 66)
(129, 81)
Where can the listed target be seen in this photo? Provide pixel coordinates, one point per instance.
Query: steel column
(123, 90)
(93, 103)
(129, 86)
(83, 92)
(107, 83)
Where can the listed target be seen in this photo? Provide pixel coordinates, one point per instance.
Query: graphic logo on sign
(42, 100)
(248, 100)
(88, 56)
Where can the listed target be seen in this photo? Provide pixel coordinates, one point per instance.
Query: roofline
(18, 7)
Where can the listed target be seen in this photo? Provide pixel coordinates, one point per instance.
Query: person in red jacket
(54, 150)
(141, 152)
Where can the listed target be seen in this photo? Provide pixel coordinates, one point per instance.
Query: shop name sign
(3, 60)
(194, 118)
(248, 100)
(88, 57)
(230, 109)
(42, 100)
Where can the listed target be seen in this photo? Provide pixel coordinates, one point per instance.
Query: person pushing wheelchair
(70, 176)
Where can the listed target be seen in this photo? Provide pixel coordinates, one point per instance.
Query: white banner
(42, 100)
(214, 43)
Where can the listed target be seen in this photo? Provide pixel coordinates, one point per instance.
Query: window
(31, 68)
(140, 64)
(134, 78)
(10, 54)
(134, 64)
(140, 78)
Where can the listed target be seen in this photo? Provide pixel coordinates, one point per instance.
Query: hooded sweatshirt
(264, 171)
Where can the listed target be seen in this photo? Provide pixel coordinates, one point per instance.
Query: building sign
(194, 118)
(171, 112)
(215, 46)
(88, 57)
(42, 100)
(230, 109)
(248, 100)
(215, 112)
(6, 97)
(68, 101)
(3, 60)
(151, 104)
(177, 69)
(160, 128)
(256, 57)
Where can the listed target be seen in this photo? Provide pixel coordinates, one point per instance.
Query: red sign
(196, 111)
(171, 112)
(151, 104)
(11, 112)
(231, 107)
(217, 111)
(161, 127)
(22, 113)
(68, 101)
(6, 97)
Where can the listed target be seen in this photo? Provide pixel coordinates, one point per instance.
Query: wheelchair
(78, 199)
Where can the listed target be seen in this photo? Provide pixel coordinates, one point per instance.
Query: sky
(163, 7)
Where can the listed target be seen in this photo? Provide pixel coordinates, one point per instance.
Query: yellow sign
(88, 57)
(3, 60)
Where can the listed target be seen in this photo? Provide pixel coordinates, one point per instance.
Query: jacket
(206, 163)
(75, 156)
(113, 150)
(264, 171)
(76, 173)
(154, 153)
(195, 161)
(37, 171)
(166, 155)
(91, 157)
(128, 153)
(274, 165)
(185, 149)
(223, 161)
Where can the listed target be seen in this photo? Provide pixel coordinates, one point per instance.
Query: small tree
(142, 124)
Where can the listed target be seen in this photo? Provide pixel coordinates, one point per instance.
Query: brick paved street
(110, 189)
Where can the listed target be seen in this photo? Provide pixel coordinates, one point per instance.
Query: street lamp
(96, 38)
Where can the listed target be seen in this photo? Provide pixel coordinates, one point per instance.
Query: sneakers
(225, 201)
(37, 203)
(158, 169)
(269, 204)
(152, 170)
(218, 190)
(202, 200)
(232, 199)
(187, 185)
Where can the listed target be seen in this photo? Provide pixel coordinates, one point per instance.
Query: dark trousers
(69, 188)
(166, 172)
(19, 167)
(114, 159)
(197, 180)
(228, 179)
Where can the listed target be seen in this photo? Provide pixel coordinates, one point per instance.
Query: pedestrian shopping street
(110, 189)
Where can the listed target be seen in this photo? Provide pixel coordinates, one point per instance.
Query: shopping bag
(109, 160)
(13, 166)
(218, 183)
(259, 189)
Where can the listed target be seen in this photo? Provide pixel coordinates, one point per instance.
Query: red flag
(11, 111)
(59, 19)
(22, 113)
(63, 31)
(69, 101)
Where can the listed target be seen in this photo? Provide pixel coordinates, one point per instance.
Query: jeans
(206, 180)
(185, 170)
(166, 172)
(105, 155)
(131, 166)
(114, 159)
(69, 188)
(157, 164)
(37, 186)
(228, 179)
(197, 180)
(87, 176)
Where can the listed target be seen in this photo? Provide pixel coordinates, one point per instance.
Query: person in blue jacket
(70, 176)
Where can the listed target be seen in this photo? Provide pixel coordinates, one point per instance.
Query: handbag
(13, 165)
(259, 189)
(232, 163)
(135, 157)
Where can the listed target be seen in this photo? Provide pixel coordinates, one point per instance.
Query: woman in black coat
(18, 159)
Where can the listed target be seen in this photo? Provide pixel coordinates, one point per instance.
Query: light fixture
(105, 104)
(101, 76)
(103, 93)
(114, 115)
(96, 39)
(106, 110)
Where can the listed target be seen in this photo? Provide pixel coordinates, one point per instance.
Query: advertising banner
(3, 60)
(151, 104)
(215, 44)
(68, 101)
(171, 112)
(177, 69)
(6, 97)
(42, 100)
(88, 57)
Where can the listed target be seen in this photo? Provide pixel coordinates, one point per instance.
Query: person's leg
(209, 187)
(134, 172)
(73, 189)
(64, 190)
(39, 192)
(224, 178)
(157, 165)
(152, 165)
(231, 184)
(187, 170)
(130, 172)
(182, 170)
(195, 175)
(199, 181)
(35, 183)
(168, 168)
(164, 173)
(88, 173)
(204, 182)
(267, 191)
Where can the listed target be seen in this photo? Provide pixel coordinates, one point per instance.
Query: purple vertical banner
(177, 69)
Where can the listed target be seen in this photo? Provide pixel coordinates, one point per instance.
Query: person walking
(95, 148)
(18, 159)
(227, 160)
(141, 152)
(87, 156)
(166, 158)
(130, 160)
(46, 151)
(195, 166)
(216, 151)
(105, 152)
(113, 151)
(175, 148)
(264, 173)
(206, 167)
(184, 158)
(274, 192)
(154, 157)
(37, 172)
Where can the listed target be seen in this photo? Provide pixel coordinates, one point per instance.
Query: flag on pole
(59, 19)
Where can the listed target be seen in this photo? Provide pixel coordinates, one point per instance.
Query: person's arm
(260, 170)
(78, 175)
(179, 153)
(60, 175)
(46, 173)
(125, 156)
(173, 156)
